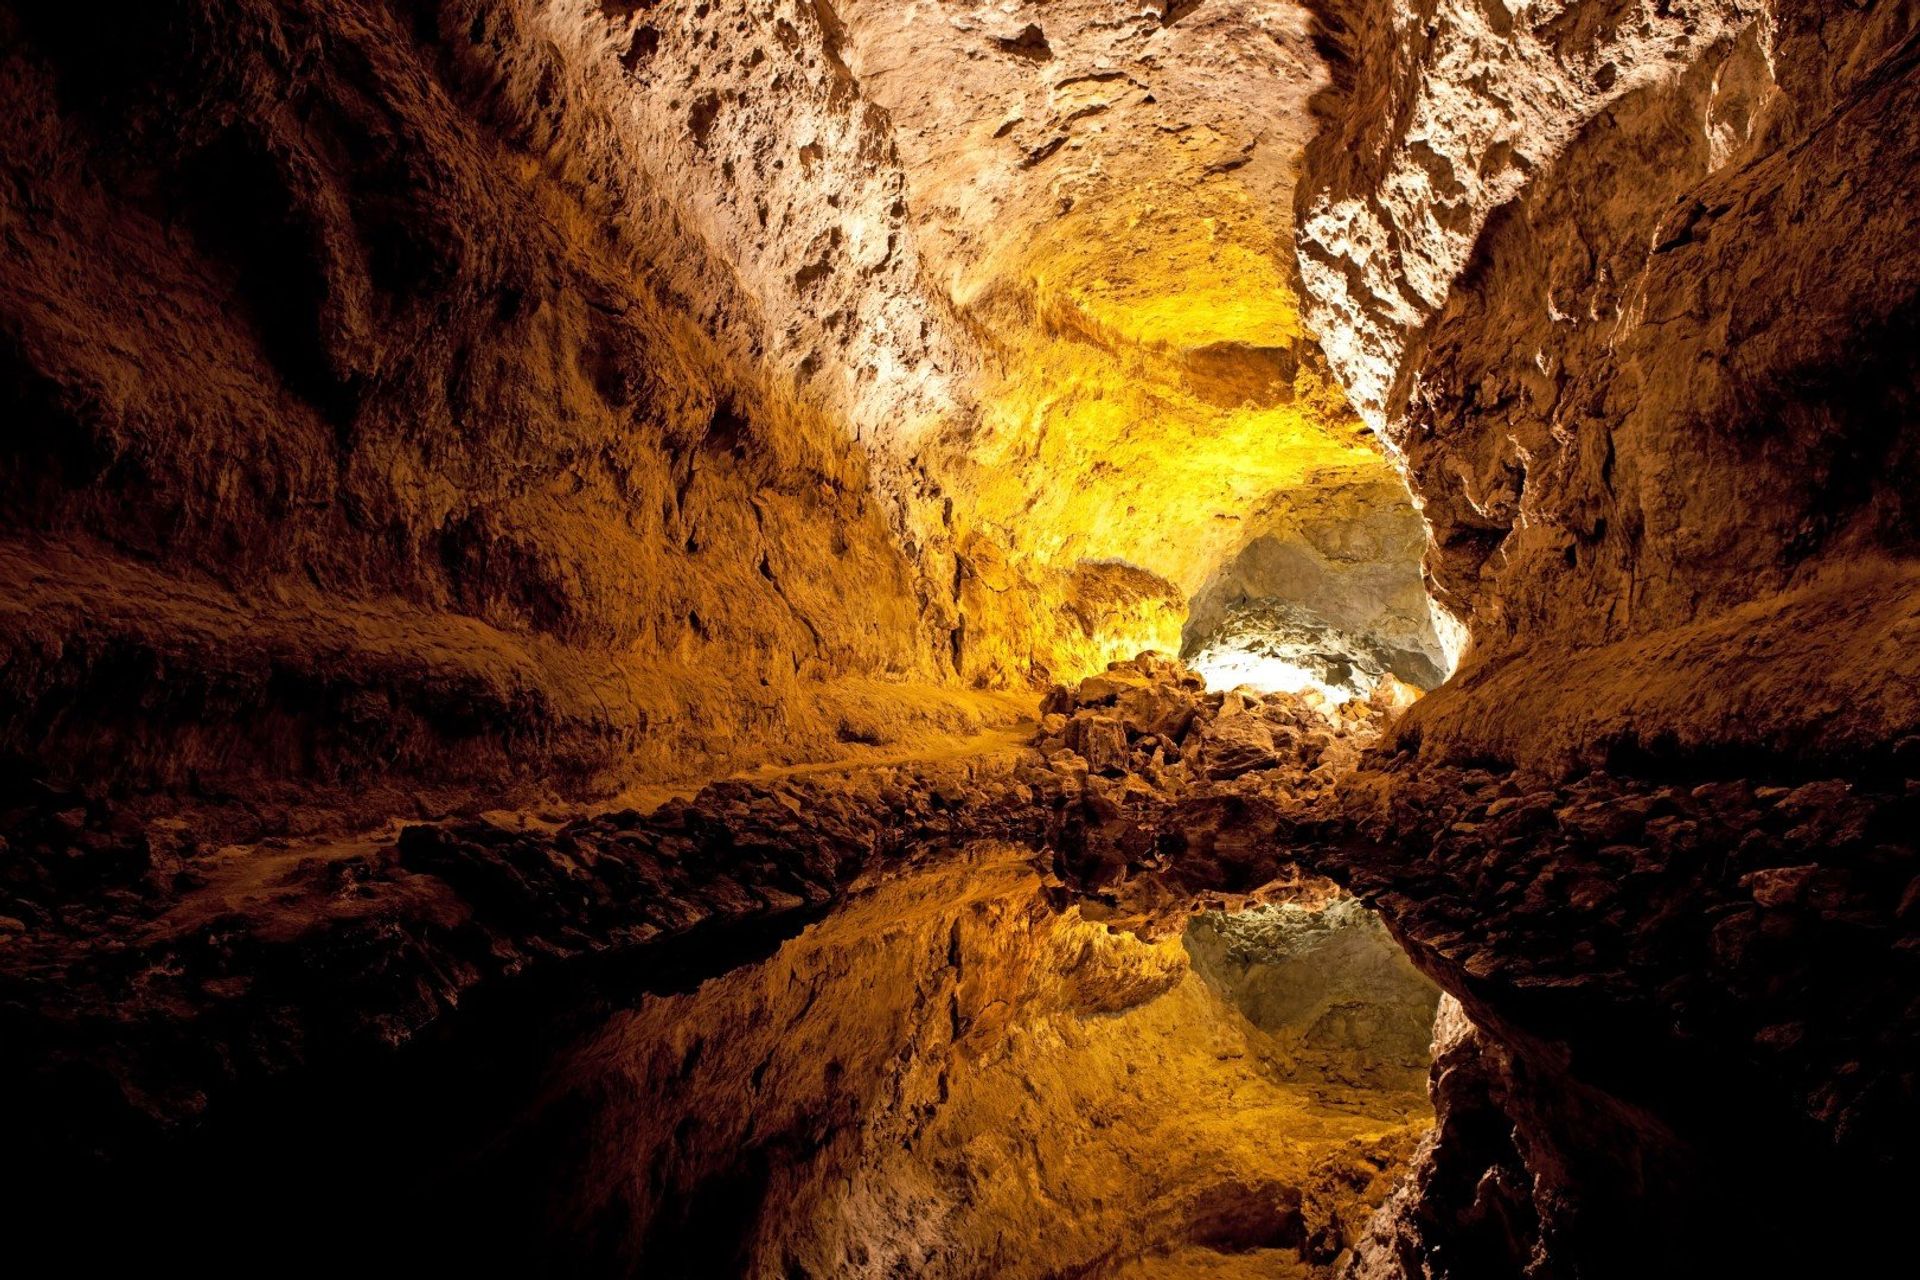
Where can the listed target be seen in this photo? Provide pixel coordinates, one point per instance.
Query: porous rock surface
(1628, 287)
(1352, 560)
(418, 401)
(414, 399)
(379, 415)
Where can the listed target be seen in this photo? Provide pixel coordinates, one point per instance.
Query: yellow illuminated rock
(948, 1078)
(1107, 204)
(1169, 377)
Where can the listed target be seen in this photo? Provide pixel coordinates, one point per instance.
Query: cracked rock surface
(1628, 288)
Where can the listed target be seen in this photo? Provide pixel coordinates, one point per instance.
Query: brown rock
(1238, 744)
(1156, 709)
(1101, 740)
(1105, 689)
(1780, 886)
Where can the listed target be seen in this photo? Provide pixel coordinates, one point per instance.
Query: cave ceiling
(1077, 332)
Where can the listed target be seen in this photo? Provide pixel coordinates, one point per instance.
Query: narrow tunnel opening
(1328, 596)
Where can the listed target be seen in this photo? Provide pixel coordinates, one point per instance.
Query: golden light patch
(1171, 266)
(1149, 398)
(1153, 392)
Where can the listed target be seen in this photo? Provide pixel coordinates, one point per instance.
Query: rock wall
(1630, 290)
(1101, 198)
(1352, 559)
(382, 412)
(415, 396)
(1627, 286)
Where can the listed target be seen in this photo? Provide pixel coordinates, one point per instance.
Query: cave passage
(1330, 599)
(817, 639)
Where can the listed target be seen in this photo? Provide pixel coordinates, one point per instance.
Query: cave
(823, 638)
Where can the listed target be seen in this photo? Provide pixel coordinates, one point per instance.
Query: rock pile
(1152, 719)
(219, 976)
(737, 852)
(62, 848)
(1186, 798)
(1724, 909)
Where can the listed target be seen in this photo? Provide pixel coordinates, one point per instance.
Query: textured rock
(1099, 740)
(1442, 113)
(408, 453)
(1103, 194)
(1286, 646)
(1353, 559)
(420, 406)
(560, 395)
(1681, 1022)
(1628, 287)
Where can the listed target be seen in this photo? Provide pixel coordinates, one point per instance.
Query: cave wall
(1629, 288)
(1102, 199)
(412, 397)
(386, 406)
(1352, 559)
(416, 395)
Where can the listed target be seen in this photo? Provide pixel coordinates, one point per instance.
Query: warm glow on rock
(1152, 401)
(1175, 265)
(1107, 201)
(818, 638)
(1154, 358)
(1028, 1094)
(1278, 647)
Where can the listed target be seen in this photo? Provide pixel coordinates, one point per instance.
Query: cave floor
(842, 993)
(268, 880)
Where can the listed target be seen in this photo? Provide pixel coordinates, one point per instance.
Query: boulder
(1100, 740)
(1107, 687)
(1156, 709)
(1238, 744)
